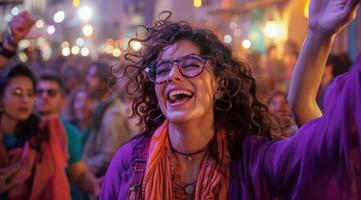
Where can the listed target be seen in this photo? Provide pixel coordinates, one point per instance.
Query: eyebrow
(191, 54)
(19, 88)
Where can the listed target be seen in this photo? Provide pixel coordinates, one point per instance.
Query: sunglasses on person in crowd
(49, 92)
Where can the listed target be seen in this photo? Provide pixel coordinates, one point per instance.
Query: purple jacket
(321, 161)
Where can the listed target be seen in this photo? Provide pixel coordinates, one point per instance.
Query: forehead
(48, 84)
(21, 81)
(180, 49)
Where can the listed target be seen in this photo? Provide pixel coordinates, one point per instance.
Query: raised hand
(21, 25)
(330, 16)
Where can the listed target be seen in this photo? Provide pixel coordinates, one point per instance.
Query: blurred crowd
(273, 72)
(93, 108)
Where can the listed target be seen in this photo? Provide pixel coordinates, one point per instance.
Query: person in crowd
(19, 28)
(333, 68)
(278, 106)
(81, 108)
(73, 78)
(289, 59)
(261, 75)
(108, 130)
(49, 102)
(34, 58)
(33, 153)
(274, 68)
(208, 137)
(119, 88)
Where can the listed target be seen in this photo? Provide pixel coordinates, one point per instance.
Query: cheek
(206, 91)
(161, 98)
(9, 102)
(159, 92)
(32, 102)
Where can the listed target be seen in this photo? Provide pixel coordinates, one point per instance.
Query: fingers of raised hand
(21, 25)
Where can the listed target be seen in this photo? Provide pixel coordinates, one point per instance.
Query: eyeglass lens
(189, 66)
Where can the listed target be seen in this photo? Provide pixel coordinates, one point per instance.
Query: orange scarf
(47, 177)
(213, 178)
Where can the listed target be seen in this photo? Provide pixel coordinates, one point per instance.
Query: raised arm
(326, 18)
(19, 28)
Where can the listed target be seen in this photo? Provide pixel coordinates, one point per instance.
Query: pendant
(189, 158)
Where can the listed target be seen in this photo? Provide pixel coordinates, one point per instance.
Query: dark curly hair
(29, 129)
(247, 114)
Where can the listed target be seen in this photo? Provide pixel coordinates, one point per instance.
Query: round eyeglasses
(189, 66)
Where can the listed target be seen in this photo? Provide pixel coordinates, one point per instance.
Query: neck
(8, 124)
(49, 114)
(190, 137)
(84, 123)
(106, 95)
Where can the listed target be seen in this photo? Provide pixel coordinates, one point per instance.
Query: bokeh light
(51, 29)
(117, 52)
(135, 45)
(246, 44)
(39, 23)
(79, 41)
(59, 16)
(75, 50)
(88, 30)
(227, 39)
(65, 51)
(15, 11)
(85, 13)
(197, 3)
(84, 51)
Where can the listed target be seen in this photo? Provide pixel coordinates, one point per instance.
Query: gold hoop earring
(154, 110)
(218, 95)
(223, 104)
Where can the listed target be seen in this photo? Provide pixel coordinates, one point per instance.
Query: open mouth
(179, 95)
(24, 110)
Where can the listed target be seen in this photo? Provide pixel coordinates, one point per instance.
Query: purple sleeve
(116, 180)
(322, 160)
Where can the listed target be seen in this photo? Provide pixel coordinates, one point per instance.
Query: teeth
(176, 93)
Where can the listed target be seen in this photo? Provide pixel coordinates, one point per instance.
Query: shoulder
(254, 142)
(114, 108)
(72, 132)
(70, 128)
(124, 157)
(253, 148)
(120, 171)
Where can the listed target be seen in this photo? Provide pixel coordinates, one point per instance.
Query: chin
(23, 117)
(180, 117)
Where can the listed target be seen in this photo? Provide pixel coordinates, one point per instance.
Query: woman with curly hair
(208, 137)
(33, 152)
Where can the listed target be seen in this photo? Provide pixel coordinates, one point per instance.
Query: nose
(25, 98)
(175, 74)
